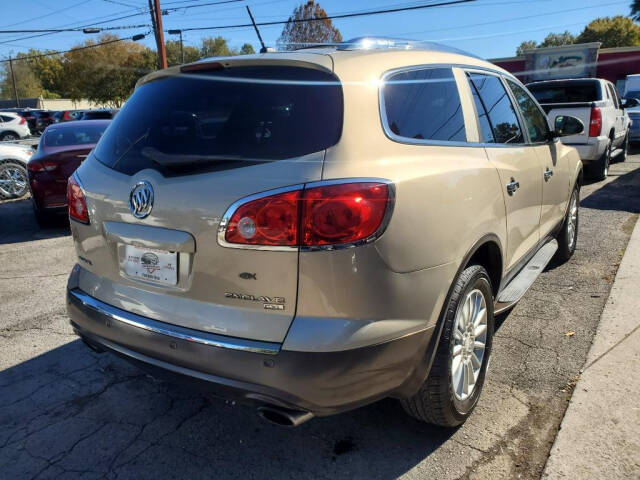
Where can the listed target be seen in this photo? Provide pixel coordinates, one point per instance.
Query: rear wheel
(600, 169)
(8, 137)
(13, 180)
(43, 218)
(568, 236)
(451, 391)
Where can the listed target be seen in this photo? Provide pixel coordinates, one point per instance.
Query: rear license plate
(156, 266)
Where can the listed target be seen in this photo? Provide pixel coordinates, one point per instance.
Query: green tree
(297, 32)
(558, 39)
(174, 55)
(526, 45)
(105, 74)
(247, 49)
(27, 82)
(215, 47)
(635, 10)
(615, 31)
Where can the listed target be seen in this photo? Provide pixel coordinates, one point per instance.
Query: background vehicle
(44, 118)
(66, 115)
(632, 86)
(13, 127)
(597, 104)
(101, 114)
(314, 248)
(13, 170)
(28, 114)
(63, 147)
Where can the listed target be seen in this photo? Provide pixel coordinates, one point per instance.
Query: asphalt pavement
(66, 411)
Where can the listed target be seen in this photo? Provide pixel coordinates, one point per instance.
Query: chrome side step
(517, 287)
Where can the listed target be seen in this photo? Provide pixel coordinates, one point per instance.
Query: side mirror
(630, 102)
(565, 125)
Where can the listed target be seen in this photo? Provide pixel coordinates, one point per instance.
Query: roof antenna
(263, 49)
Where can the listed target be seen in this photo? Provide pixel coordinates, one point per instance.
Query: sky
(487, 28)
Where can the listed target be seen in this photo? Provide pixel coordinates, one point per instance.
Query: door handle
(512, 186)
(548, 174)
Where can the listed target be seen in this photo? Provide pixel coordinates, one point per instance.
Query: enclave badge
(141, 199)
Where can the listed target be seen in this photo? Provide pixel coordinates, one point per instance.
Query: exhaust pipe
(284, 416)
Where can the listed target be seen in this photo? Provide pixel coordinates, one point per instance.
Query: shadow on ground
(72, 411)
(18, 223)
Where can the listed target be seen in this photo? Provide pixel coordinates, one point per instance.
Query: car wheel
(568, 236)
(8, 137)
(600, 169)
(451, 391)
(43, 218)
(13, 180)
(625, 148)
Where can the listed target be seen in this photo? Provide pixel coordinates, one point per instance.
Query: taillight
(326, 215)
(595, 122)
(42, 165)
(76, 201)
(22, 121)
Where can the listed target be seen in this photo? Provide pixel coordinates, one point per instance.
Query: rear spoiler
(547, 107)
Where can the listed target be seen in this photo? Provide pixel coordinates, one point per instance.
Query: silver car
(312, 231)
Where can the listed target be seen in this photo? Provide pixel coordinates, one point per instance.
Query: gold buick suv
(311, 231)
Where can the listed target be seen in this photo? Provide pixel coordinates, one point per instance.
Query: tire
(600, 169)
(14, 182)
(437, 401)
(625, 149)
(568, 235)
(43, 218)
(9, 137)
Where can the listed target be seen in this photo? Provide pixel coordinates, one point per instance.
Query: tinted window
(566, 92)
(632, 94)
(534, 119)
(6, 118)
(224, 119)
(501, 115)
(62, 137)
(99, 115)
(424, 105)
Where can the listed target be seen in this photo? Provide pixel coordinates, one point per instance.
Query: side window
(534, 119)
(495, 102)
(5, 119)
(614, 97)
(424, 105)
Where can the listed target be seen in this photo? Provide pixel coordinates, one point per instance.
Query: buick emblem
(141, 199)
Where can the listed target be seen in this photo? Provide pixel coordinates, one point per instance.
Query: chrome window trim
(409, 141)
(174, 331)
(222, 227)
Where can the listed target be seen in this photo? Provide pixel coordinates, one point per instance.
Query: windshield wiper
(180, 159)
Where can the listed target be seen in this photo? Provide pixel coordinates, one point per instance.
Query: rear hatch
(573, 97)
(203, 140)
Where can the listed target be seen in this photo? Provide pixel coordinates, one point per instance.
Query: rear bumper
(320, 382)
(592, 150)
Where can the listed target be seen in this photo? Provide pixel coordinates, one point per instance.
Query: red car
(62, 148)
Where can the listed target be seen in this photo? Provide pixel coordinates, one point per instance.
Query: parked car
(44, 118)
(13, 127)
(67, 115)
(13, 170)
(597, 104)
(101, 114)
(62, 148)
(28, 114)
(339, 226)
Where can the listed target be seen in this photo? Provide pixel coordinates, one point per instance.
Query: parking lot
(67, 410)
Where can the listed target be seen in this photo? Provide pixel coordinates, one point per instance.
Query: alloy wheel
(572, 221)
(469, 343)
(13, 181)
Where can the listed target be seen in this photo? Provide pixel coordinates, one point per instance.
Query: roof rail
(379, 43)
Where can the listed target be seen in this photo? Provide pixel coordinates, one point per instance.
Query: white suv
(597, 104)
(13, 127)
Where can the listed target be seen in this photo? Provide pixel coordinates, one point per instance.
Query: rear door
(202, 141)
(555, 174)
(516, 161)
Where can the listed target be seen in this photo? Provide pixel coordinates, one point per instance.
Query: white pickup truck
(597, 104)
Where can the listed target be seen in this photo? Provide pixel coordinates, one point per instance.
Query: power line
(140, 36)
(47, 14)
(333, 17)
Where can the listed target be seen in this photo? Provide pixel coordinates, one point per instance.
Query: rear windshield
(224, 119)
(570, 92)
(78, 135)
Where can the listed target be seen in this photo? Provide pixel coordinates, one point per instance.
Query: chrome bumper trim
(83, 300)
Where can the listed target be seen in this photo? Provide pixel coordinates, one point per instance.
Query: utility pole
(162, 51)
(13, 78)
